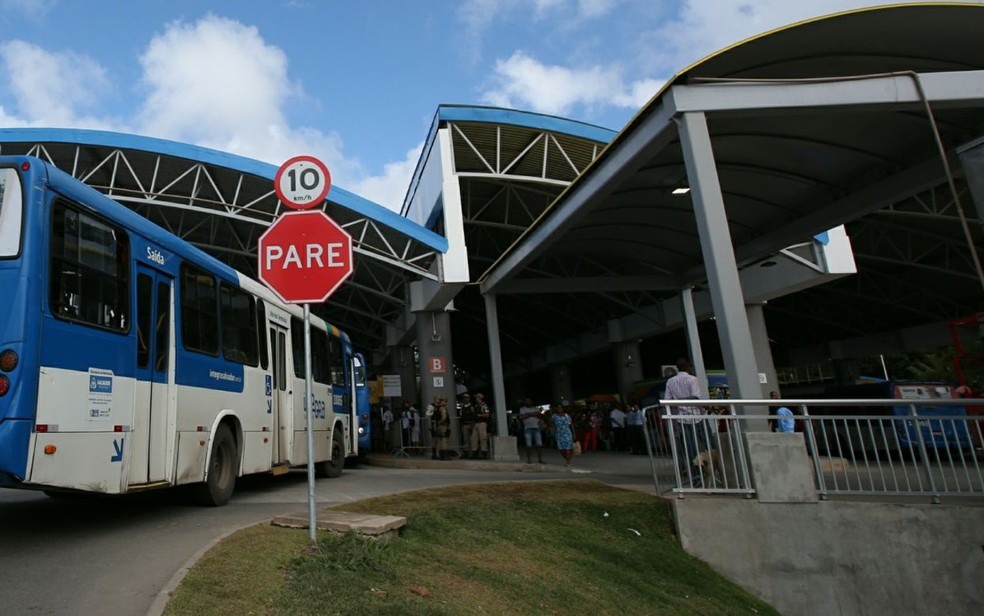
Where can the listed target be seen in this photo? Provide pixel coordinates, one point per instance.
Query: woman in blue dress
(564, 433)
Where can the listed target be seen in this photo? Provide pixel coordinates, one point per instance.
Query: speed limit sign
(302, 182)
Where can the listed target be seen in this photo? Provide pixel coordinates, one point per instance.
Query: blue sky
(355, 83)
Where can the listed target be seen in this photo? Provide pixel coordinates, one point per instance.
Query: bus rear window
(89, 269)
(11, 212)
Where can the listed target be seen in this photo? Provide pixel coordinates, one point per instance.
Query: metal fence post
(924, 454)
(649, 445)
(811, 443)
(673, 450)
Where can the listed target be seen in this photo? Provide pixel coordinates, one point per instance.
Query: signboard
(302, 182)
(437, 365)
(304, 257)
(391, 386)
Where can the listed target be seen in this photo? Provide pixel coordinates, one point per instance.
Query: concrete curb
(164, 596)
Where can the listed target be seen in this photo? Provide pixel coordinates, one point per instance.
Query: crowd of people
(569, 428)
(599, 427)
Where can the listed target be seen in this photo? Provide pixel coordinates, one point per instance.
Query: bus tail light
(8, 360)
(4, 385)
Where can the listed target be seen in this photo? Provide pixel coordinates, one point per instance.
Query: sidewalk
(618, 469)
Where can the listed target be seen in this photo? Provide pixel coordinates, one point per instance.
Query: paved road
(114, 555)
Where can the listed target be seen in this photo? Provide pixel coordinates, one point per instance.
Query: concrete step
(375, 526)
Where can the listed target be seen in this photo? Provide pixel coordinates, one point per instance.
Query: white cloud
(218, 84)
(214, 83)
(694, 30)
(52, 89)
(522, 81)
(702, 27)
(390, 188)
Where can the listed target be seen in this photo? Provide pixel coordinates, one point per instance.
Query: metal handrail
(867, 452)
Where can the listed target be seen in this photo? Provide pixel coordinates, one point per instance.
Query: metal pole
(914, 414)
(308, 404)
(811, 442)
(646, 423)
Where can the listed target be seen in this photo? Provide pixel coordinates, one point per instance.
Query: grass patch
(510, 548)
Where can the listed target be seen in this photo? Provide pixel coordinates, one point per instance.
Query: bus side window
(337, 362)
(199, 311)
(297, 346)
(319, 357)
(261, 327)
(238, 316)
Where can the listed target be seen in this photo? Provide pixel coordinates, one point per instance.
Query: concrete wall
(835, 557)
(806, 556)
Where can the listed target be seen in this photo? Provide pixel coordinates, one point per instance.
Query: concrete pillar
(437, 365)
(763, 351)
(693, 339)
(560, 381)
(717, 248)
(503, 445)
(402, 363)
(628, 368)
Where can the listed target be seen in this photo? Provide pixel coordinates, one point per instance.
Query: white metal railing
(856, 447)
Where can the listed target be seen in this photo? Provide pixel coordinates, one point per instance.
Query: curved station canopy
(750, 160)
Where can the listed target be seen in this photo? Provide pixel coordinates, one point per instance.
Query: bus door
(280, 394)
(155, 342)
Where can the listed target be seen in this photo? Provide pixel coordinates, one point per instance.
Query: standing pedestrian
(685, 386)
(635, 425)
(411, 424)
(469, 417)
(617, 418)
(440, 427)
(388, 420)
(480, 434)
(564, 433)
(530, 416)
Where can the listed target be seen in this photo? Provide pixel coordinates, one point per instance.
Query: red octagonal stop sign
(304, 257)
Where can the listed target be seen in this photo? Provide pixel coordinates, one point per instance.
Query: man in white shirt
(530, 416)
(689, 437)
(617, 419)
(387, 424)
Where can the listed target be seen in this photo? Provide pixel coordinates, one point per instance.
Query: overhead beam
(964, 88)
(589, 284)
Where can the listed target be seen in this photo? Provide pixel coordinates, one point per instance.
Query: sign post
(304, 257)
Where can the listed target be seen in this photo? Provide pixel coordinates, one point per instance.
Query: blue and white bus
(131, 360)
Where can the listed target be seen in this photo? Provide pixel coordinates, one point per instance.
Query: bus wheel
(221, 478)
(334, 466)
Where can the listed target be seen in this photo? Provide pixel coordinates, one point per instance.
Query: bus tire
(333, 467)
(221, 479)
